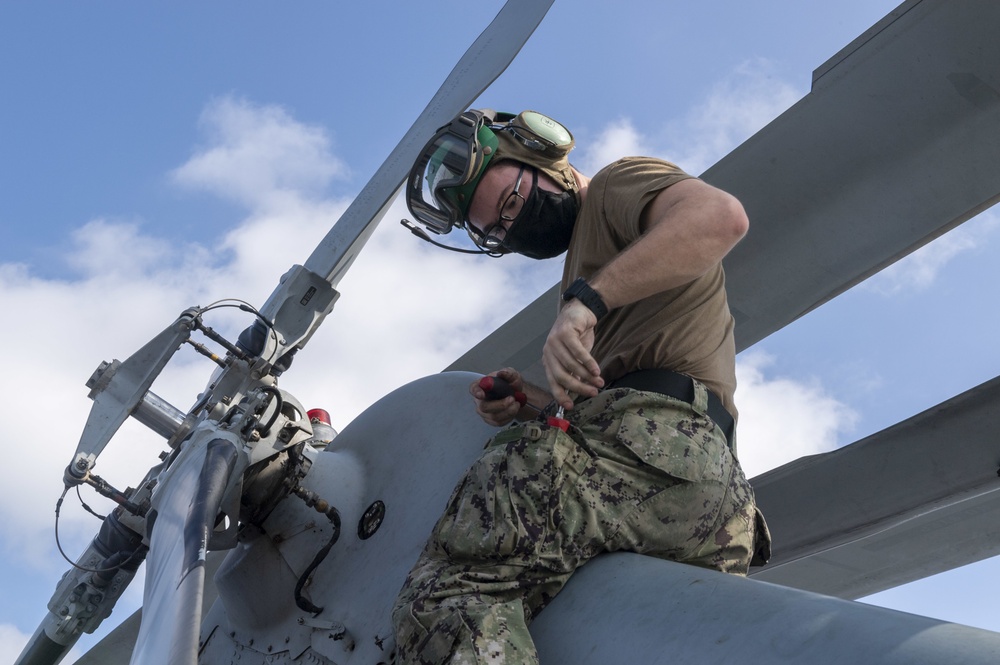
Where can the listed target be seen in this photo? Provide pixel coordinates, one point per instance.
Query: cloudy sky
(154, 157)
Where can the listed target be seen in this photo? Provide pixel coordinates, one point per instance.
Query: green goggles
(442, 181)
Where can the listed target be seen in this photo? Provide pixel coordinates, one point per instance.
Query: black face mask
(545, 225)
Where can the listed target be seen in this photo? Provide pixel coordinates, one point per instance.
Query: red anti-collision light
(319, 415)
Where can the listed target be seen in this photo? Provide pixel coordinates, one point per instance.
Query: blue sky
(155, 156)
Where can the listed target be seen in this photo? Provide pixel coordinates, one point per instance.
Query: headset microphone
(420, 233)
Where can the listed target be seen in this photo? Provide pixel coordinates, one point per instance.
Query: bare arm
(690, 227)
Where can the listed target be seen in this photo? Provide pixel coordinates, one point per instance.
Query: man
(641, 358)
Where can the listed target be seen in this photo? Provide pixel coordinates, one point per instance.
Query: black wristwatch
(588, 296)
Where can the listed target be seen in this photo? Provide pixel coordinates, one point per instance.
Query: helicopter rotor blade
(186, 508)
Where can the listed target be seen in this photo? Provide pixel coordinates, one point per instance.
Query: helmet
(443, 179)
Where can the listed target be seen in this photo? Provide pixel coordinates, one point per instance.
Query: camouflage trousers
(637, 471)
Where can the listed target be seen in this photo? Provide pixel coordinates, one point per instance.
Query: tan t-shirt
(688, 329)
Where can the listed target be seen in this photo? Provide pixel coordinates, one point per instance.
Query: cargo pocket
(686, 472)
(502, 508)
(687, 452)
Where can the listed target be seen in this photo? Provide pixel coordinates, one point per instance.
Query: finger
(562, 386)
(559, 394)
(576, 358)
(566, 348)
(511, 376)
(498, 412)
(576, 369)
(477, 391)
(559, 380)
(496, 405)
(580, 370)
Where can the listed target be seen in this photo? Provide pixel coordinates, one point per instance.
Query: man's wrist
(583, 292)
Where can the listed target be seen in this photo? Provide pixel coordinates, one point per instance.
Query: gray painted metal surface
(655, 611)
(920, 497)
(898, 141)
(186, 502)
(659, 612)
(408, 451)
(116, 647)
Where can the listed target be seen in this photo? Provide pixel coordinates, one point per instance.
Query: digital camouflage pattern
(637, 471)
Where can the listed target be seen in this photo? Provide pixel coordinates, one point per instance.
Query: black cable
(246, 307)
(279, 405)
(98, 571)
(333, 514)
(86, 507)
(138, 552)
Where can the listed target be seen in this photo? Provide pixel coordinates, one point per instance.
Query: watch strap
(588, 296)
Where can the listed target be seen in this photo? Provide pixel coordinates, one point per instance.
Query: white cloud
(782, 419)
(12, 641)
(735, 109)
(259, 156)
(919, 270)
(619, 139)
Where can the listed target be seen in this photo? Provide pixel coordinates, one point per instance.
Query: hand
(498, 412)
(566, 355)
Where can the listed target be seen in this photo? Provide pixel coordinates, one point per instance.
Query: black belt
(679, 386)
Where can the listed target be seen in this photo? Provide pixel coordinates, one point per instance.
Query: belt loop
(700, 403)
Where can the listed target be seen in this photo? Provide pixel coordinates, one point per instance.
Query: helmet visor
(443, 178)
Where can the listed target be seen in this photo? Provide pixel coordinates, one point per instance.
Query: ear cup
(537, 132)
(539, 141)
(547, 132)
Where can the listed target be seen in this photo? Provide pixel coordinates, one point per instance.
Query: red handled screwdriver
(497, 388)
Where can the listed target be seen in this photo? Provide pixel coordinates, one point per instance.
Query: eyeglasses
(493, 236)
